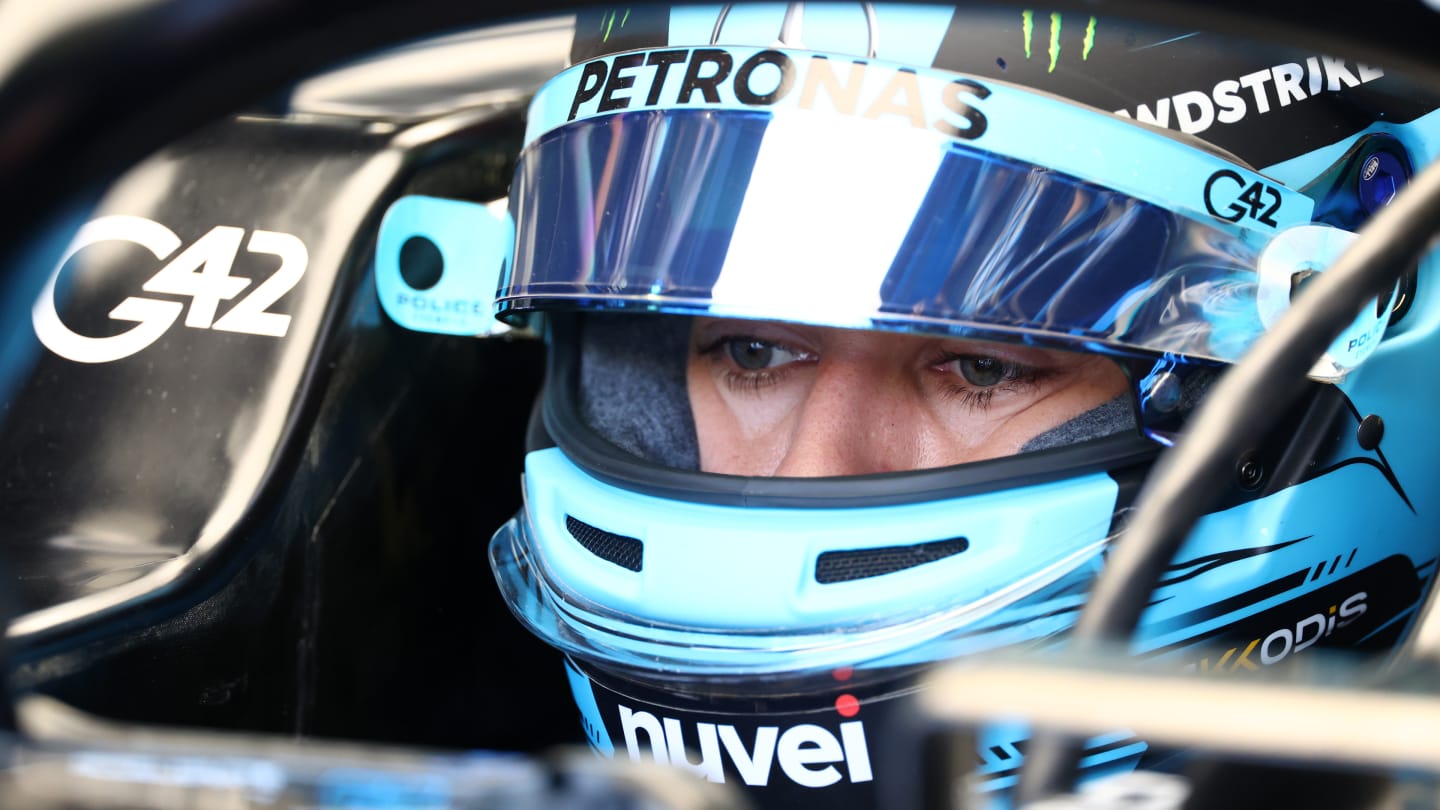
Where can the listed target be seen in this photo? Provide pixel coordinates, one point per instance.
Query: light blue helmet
(1058, 182)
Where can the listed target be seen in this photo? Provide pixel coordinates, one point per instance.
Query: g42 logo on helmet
(1226, 190)
(200, 272)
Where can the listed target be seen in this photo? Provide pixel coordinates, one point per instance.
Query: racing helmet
(720, 195)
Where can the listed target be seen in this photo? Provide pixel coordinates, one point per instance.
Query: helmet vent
(626, 552)
(844, 566)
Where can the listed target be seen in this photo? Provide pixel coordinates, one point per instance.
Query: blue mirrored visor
(844, 222)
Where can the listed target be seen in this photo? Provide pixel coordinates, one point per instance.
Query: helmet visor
(829, 209)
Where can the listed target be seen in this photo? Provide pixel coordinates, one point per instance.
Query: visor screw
(1370, 432)
(1380, 178)
(1249, 471)
(1164, 393)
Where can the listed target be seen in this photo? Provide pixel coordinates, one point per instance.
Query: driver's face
(784, 399)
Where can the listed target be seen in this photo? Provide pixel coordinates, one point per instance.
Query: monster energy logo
(609, 21)
(1027, 27)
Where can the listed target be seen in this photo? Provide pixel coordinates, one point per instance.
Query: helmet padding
(1115, 416)
(632, 386)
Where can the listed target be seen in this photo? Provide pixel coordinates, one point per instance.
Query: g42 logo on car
(200, 272)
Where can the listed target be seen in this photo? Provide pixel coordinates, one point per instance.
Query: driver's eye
(982, 371)
(753, 354)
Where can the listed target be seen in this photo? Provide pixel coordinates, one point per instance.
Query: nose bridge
(854, 421)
